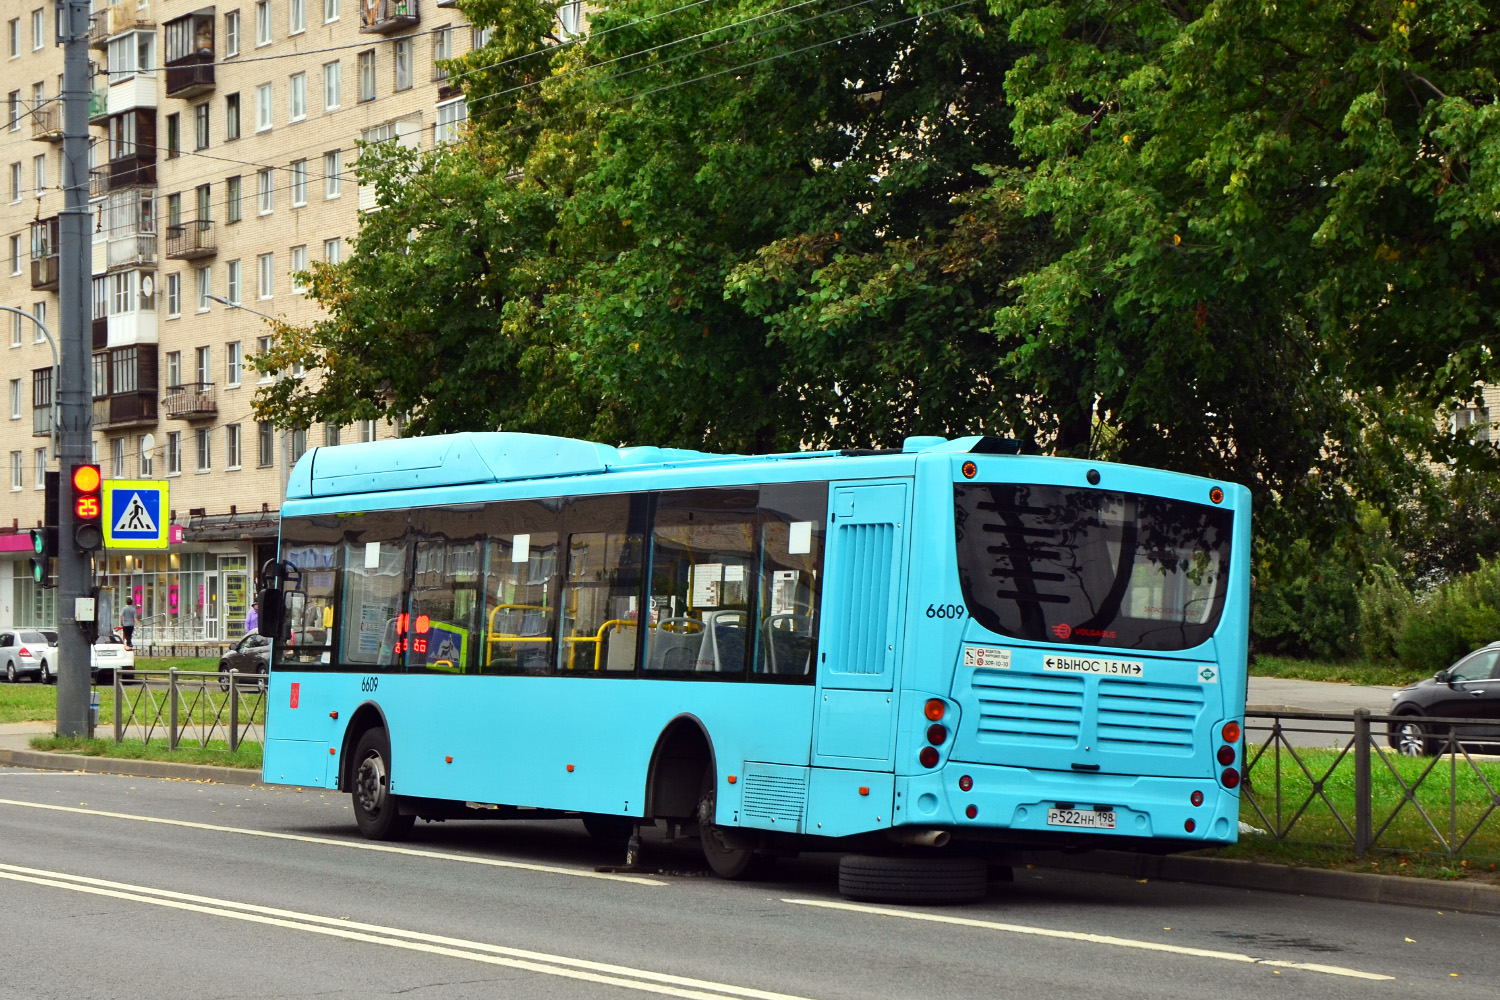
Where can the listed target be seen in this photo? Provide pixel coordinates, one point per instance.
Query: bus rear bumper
(1051, 805)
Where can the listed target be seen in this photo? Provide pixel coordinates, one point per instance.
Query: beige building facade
(224, 142)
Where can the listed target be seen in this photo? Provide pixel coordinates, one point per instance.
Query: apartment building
(224, 138)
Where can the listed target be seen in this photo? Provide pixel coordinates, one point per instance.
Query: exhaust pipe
(920, 838)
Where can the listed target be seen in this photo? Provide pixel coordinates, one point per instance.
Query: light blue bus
(946, 650)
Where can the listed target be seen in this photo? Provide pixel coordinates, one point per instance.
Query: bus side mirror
(272, 614)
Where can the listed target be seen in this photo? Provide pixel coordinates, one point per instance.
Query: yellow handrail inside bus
(597, 639)
(492, 638)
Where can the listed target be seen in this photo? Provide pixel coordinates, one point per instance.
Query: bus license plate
(1089, 819)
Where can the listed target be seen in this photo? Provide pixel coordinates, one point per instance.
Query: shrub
(1456, 618)
(1315, 614)
(1384, 603)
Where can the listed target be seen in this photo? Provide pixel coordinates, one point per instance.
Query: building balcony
(116, 19)
(191, 240)
(99, 332)
(98, 182)
(133, 171)
(99, 106)
(386, 17)
(132, 250)
(41, 421)
(47, 124)
(125, 409)
(192, 401)
(44, 273)
(191, 77)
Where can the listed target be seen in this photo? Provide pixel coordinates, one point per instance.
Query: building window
(205, 287)
(297, 16)
(174, 210)
(16, 470)
(299, 264)
(117, 458)
(299, 183)
(232, 293)
(15, 255)
(263, 22)
(39, 173)
(333, 250)
(442, 49)
(366, 431)
(15, 37)
(15, 329)
(174, 295)
(449, 117)
(571, 16)
(266, 439)
(231, 116)
(264, 184)
(174, 140)
(39, 310)
(15, 399)
(15, 182)
(100, 378)
(262, 107)
(297, 97)
(267, 266)
(174, 453)
(330, 10)
(232, 190)
(200, 126)
(481, 36)
(145, 462)
(235, 361)
(297, 441)
(205, 360)
(262, 348)
(232, 446)
(205, 202)
(366, 77)
(331, 435)
(174, 368)
(13, 109)
(205, 449)
(39, 464)
(402, 55)
(332, 84)
(232, 33)
(333, 174)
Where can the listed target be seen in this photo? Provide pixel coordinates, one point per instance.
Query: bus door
(861, 624)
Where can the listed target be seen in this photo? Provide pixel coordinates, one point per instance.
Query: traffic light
(88, 508)
(43, 551)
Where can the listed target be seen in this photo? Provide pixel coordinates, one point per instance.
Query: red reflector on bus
(1230, 778)
(296, 694)
(864, 789)
(1190, 826)
(331, 751)
(965, 783)
(1196, 798)
(937, 733)
(1230, 732)
(447, 760)
(972, 811)
(934, 709)
(570, 768)
(928, 757)
(333, 715)
(1226, 755)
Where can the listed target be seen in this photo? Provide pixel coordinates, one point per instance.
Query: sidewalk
(17, 735)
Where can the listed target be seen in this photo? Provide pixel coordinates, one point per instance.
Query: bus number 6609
(945, 611)
(369, 683)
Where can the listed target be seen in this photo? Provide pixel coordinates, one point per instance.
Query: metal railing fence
(190, 707)
(1359, 791)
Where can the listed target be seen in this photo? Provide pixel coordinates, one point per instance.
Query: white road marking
(1118, 942)
(356, 845)
(395, 937)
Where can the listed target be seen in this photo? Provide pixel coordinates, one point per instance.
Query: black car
(251, 655)
(1470, 689)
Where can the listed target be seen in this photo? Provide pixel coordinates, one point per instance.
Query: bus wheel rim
(370, 784)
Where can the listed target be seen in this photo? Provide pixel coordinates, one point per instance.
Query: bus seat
(723, 646)
(788, 643)
(674, 644)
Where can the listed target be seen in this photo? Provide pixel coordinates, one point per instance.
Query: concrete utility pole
(75, 412)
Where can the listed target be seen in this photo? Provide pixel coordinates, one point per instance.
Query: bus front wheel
(728, 851)
(375, 808)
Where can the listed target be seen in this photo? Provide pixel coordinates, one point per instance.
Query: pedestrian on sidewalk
(252, 620)
(127, 621)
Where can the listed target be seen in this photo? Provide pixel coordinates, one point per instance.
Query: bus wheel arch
(683, 754)
(365, 718)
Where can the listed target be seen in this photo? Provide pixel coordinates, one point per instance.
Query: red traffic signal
(88, 508)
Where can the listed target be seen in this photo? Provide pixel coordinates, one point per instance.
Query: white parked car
(26, 652)
(108, 655)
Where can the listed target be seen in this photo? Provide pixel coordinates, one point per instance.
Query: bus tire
(874, 879)
(726, 850)
(612, 832)
(375, 808)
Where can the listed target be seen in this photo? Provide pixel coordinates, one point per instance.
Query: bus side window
(520, 594)
(702, 582)
(791, 546)
(601, 590)
(443, 626)
(375, 581)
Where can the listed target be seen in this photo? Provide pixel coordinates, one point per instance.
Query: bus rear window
(1091, 567)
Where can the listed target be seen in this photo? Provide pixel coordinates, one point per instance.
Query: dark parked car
(251, 655)
(1470, 689)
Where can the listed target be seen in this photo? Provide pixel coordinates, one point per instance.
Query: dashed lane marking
(1118, 942)
(543, 963)
(355, 845)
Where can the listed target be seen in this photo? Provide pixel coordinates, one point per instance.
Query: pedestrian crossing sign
(135, 513)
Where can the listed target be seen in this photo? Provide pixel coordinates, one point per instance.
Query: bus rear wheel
(375, 808)
(875, 879)
(726, 850)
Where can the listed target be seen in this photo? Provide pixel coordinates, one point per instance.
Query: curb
(1231, 873)
(45, 761)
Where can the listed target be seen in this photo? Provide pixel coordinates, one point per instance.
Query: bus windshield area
(1091, 567)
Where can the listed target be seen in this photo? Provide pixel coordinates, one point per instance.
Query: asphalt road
(129, 887)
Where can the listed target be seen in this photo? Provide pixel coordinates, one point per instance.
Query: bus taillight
(934, 709)
(1196, 798)
(1231, 732)
(965, 783)
(1226, 755)
(928, 756)
(937, 734)
(1230, 778)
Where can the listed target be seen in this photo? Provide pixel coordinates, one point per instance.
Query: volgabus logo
(1063, 630)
